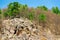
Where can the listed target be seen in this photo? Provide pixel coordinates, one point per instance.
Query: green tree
(55, 10)
(10, 6)
(13, 8)
(16, 7)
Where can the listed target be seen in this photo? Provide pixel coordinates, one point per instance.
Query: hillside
(46, 21)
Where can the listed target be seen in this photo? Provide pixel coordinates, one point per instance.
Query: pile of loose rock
(22, 29)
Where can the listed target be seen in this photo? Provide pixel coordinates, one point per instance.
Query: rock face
(23, 29)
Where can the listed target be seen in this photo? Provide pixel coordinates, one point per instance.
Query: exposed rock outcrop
(23, 29)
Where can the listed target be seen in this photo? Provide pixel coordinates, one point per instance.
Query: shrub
(30, 16)
(55, 10)
(43, 8)
(42, 17)
(5, 14)
(10, 14)
(0, 11)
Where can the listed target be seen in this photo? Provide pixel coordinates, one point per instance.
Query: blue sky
(32, 3)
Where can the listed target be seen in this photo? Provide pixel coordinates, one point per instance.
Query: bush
(30, 16)
(5, 14)
(42, 17)
(0, 11)
(43, 8)
(55, 10)
(10, 14)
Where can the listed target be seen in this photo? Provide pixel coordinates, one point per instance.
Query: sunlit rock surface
(24, 29)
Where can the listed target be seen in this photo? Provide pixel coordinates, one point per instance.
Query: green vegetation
(5, 14)
(0, 11)
(23, 10)
(25, 7)
(56, 10)
(30, 16)
(43, 8)
(42, 17)
(37, 15)
(16, 9)
(13, 8)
